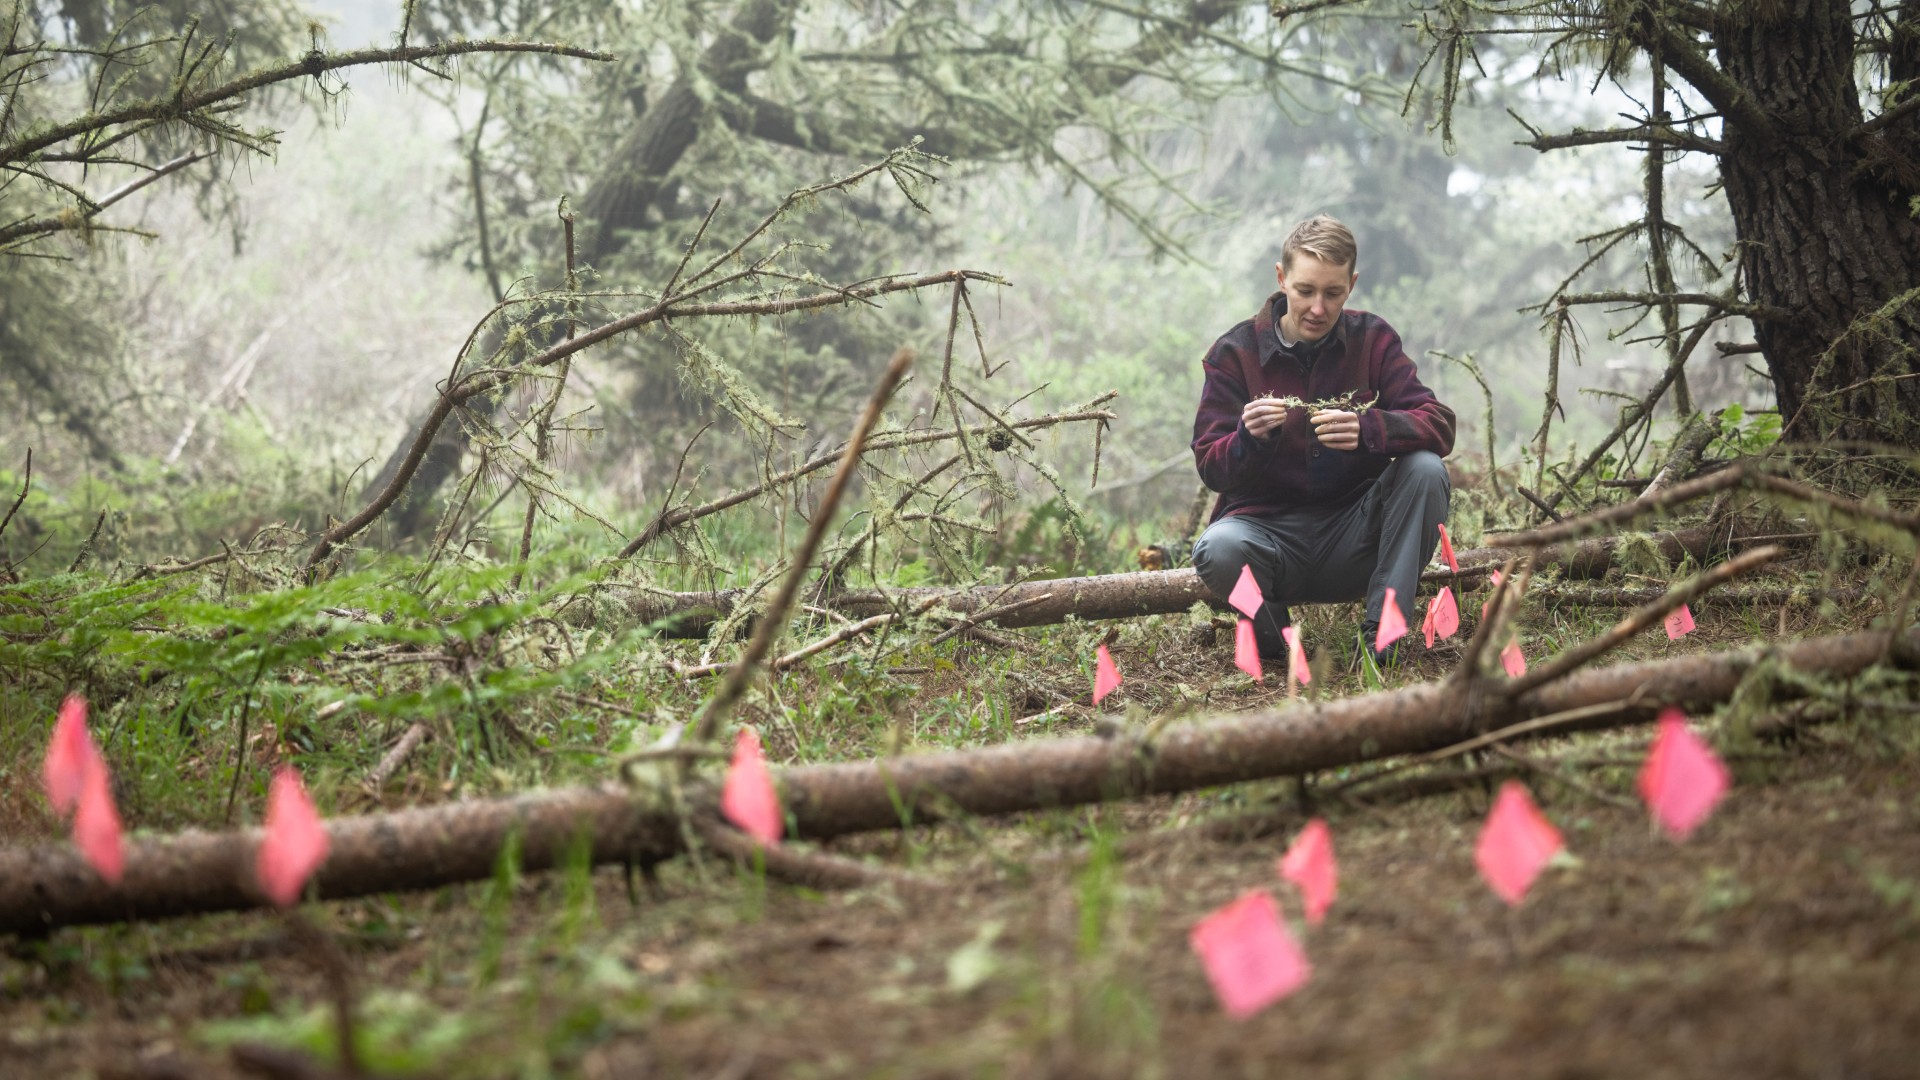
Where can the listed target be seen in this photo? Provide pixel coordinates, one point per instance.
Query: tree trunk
(1131, 596)
(614, 207)
(1825, 219)
(52, 886)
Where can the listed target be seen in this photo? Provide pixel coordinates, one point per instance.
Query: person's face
(1317, 292)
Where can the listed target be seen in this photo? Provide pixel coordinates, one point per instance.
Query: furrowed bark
(50, 886)
(1129, 596)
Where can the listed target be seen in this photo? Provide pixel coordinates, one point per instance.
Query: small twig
(1491, 738)
(543, 418)
(675, 752)
(594, 703)
(809, 869)
(692, 246)
(659, 523)
(896, 440)
(971, 621)
(86, 549)
(1425, 786)
(26, 484)
(90, 209)
(326, 957)
(1613, 516)
(1638, 412)
(844, 634)
(773, 621)
(1539, 503)
(1643, 617)
(457, 393)
(1684, 457)
(1562, 776)
(378, 776)
(1483, 631)
(158, 570)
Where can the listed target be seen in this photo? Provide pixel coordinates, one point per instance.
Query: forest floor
(1782, 939)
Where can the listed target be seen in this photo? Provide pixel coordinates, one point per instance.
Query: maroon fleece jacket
(1360, 360)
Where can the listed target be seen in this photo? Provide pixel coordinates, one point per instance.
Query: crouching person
(1324, 447)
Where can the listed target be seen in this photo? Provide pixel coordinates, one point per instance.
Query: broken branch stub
(50, 886)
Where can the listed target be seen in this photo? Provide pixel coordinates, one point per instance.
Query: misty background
(279, 341)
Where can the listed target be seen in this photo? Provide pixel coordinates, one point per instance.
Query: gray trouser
(1317, 555)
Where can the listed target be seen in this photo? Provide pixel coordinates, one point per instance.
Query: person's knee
(1424, 469)
(1222, 549)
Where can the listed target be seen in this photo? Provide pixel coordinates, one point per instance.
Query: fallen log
(1132, 595)
(49, 886)
(1761, 596)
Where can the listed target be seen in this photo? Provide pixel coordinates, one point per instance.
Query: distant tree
(747, 98)
(99, 99)
(1810, 110)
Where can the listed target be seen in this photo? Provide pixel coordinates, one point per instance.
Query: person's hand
(1263, 416)
(1336, 429)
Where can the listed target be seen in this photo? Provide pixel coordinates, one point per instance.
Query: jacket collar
(1266, 327)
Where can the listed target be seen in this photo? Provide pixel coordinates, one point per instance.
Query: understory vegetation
(491, 424)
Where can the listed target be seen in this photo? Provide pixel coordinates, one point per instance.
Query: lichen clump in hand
(1345, 403)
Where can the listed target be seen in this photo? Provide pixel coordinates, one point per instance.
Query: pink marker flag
(1309, 865)
(1296, 657)
(96, 827)
(1444, 613)
(1515, 844)
(1513, 659)
(296, 842)
(1679, 623)
(1246, 597)
(1446, 550)
(1245, 652)
(1393, 625)
(747, 797)
(1495, 578)
(1106, 677)
(1251, 958)
(1683, 779)
(71, 756)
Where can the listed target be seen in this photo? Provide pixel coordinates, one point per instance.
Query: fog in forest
(291, 315)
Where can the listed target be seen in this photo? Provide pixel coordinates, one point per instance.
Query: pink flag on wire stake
(1679, 623)
(1106, 677)
(1446, 550)
(1515, 844)
(96, 826)
(1444, 615)
(1393, 625)
(1251, 959)
(1246, 597)
(1487, 603)
(71, 756)
(1246, 653)
(77, 783)
(747, 797)
(1683, 779)
(1513, 659)
(1296, 657)
(1309, 864)
(296, 842)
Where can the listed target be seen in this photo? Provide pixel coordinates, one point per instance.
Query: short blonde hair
(1325, 239)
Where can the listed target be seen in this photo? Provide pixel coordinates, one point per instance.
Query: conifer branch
(186, 106)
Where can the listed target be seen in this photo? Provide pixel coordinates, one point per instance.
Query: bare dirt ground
(1782, 940)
